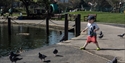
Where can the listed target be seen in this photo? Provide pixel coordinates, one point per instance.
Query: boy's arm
(85, 29)
(97, 28)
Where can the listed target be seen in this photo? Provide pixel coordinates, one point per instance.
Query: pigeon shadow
(59, 56)
(47, 61)
(111, 49)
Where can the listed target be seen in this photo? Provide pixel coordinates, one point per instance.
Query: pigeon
(14, 57)
(60, 32)
(73, 25)
(55, 51)
(41, 56)
(100, 35)
(71, 30)
(121, 35)
(20, 50)
(63, 39)
(114, 60)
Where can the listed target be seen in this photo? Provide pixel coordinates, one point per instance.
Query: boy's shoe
(82, 48)
(97, 49)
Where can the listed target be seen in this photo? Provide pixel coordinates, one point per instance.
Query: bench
(57, 16)
(71, 17)
(85, 17)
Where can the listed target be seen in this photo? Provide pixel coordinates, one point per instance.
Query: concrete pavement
(111, 46)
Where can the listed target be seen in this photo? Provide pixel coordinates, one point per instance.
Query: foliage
(5, 5)
(74, 3)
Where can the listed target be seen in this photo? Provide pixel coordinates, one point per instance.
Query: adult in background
(1, 12)
(10, 11)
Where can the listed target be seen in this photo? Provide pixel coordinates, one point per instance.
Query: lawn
(104, 16)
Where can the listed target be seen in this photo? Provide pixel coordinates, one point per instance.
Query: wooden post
(66, 27)
(47, 26)
(9, 31)
(78, 25)
(9, 26)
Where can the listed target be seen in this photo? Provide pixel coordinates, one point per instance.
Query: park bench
(71, 17)
(85, 17)
(57, 16)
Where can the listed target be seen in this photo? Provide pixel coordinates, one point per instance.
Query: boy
(92, 27)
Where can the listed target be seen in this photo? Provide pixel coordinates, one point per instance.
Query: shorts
(91, 39)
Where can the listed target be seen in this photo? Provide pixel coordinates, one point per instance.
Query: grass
(14, 14)
(104, 16)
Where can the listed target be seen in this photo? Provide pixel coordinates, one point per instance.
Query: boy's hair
(90, 17)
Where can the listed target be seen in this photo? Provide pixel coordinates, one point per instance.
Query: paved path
(111, 45)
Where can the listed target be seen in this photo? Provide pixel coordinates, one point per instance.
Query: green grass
(104, 16)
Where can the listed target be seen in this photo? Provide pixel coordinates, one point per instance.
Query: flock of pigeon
(15, 57)
(42, 56)
(101, 35)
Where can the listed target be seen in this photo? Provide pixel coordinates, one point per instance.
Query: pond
(27, 38)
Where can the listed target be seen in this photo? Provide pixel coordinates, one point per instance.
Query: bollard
(9, 31)
(78, 25)
(47, 26)
(9, 26)
(9, 40)
(66, 27)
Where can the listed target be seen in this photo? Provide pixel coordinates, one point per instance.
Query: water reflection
(27, 38)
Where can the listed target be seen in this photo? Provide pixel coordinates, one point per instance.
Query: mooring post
(9, 30)
(66, 27)
(78, 25)
(47, 26)
(9, 26)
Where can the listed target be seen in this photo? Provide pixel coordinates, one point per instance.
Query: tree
(71, 4)
(74, 3)
(27, 3)
(43, 3)
(5, 4)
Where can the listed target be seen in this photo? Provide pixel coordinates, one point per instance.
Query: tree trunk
(26, 6)
(27, 10)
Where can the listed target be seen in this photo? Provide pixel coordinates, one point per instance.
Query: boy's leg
(98, 48)
(83, 48)
(94, 39)
(97, 45)
(86, 43)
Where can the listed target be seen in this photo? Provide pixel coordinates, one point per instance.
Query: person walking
(10, 11)
(1, 12)
(92, 27)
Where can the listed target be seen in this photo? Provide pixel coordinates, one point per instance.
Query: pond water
(27, 38)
